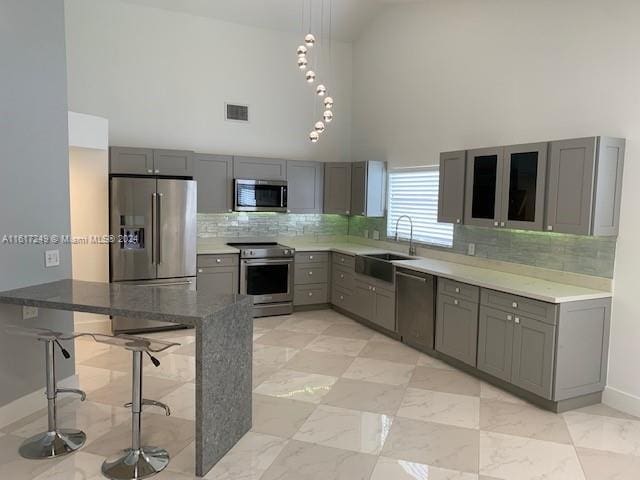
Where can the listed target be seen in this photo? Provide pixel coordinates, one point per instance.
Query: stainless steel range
(266, 272)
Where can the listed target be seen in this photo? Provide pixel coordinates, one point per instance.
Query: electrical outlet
(366, 233)
(376, 235)
(471, 249)
(29, 312)
(52, 258)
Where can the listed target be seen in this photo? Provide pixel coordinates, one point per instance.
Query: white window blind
(414, 192)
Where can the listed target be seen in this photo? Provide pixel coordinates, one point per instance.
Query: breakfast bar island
(223, 331)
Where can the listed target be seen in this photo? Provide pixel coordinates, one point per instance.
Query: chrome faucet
(412, 248)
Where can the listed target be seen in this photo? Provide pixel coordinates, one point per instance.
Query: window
(414, 192)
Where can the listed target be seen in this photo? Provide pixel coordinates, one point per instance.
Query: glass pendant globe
(328, 103)
(321, 90)
(302, 63)
(319, 126)
(310, 76)
(314, 136)
(309, 40)
(302, 51)
(328, 116)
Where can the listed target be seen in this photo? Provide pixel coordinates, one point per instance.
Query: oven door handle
(266, 261)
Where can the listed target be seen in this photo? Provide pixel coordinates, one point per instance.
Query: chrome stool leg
(138, 461)
(54, 442)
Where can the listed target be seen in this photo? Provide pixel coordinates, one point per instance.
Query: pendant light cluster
(311, 77)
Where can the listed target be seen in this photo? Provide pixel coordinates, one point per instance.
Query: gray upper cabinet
(131, 161)
(305, 181)
(214, 174)
(174, 163)
(146, 161)
(523, 194)
(451, 187)
(255, 168)
(584, 186)
(483, 196)
(368, 188)
(337, 188)
(457, 328)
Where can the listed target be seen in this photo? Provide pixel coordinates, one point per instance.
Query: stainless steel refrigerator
(154, 224)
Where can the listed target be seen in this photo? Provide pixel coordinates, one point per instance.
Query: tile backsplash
(568, 253)
(229, 225)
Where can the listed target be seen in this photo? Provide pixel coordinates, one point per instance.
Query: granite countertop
(530, 287)
(147, 302)
(526, 286)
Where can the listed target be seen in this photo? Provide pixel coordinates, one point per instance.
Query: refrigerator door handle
(153, 227)
(159, 228)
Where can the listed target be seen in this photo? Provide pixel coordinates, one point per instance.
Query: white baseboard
(31, 403)
(622, 401)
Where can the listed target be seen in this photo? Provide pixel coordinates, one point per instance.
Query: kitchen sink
(389, 257)
(378, 265)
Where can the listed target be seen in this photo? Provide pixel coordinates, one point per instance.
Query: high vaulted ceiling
(349, 16)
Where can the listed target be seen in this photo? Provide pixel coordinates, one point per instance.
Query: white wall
(453, 74)
(161, 78)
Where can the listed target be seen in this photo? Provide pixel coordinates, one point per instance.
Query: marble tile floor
(334, 400)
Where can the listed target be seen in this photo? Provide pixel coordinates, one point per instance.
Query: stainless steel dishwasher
(416, 308)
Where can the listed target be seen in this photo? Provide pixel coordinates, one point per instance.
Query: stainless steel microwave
(260, 196)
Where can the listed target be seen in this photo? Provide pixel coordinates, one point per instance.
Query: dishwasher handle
(412, 277)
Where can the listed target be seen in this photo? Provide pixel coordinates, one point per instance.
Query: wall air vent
(237, 113)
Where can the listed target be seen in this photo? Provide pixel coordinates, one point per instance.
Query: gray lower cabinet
(533, 352)
(173, 163)
(362, 302)
(311, 278)
(368, 188)
(495, 342)
(305, 182)
(130, 161)
(214, 174)
(451, 187)
(256, 168)
(585, 186)
(384, 313)
(457, 328)
(218, 274)
(337, 188)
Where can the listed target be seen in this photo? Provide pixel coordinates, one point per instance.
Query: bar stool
(138, 461)
(55, 441)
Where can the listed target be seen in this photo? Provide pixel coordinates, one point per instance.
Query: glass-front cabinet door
(484, 187)
(523, 193)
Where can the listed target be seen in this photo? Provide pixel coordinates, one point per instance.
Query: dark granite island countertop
(224, 346)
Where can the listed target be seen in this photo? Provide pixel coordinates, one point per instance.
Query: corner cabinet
(368, 188)
(451, 187)
(585, 186)
(337, 188)
(505, 186)
(305, 182)
(214, 174)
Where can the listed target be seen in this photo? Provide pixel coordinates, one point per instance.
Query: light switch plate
(366, 233)
(471, 249)
(376, 235)
(52, 258)
(29, 312)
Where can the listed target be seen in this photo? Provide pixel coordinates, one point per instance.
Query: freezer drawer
(137, 325)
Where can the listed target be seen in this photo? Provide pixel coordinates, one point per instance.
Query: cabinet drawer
(346, 260)
(342, 298)
(311, 273)
(310, 294)
(231, 260)
(312, 257)
(545, 312)
(342, 277)
(458, 289)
